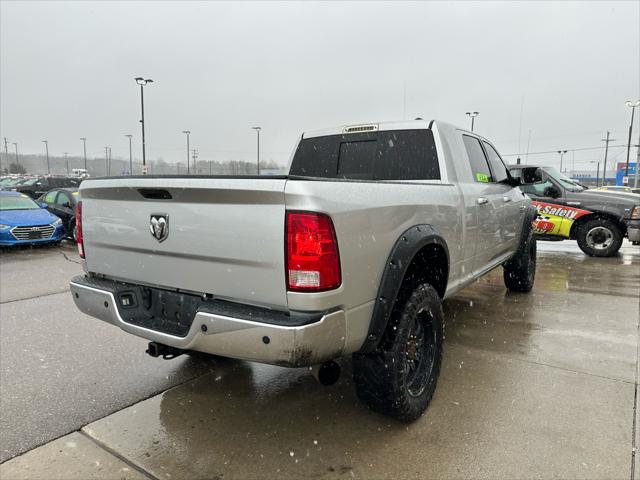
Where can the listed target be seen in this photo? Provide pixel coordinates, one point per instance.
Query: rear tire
(599, 237)
(400, 377)
(520, 270)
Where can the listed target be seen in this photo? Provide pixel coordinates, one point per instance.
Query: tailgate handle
(155, 194)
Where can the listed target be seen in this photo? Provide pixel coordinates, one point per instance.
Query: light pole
(6, 154)
(195, 157)
(46, 144)
(84, 148)
(17, 160)
(633, 106)
(473, 116)
(142, 82)
(258, 129)
(607, 141)
(187, 133)
(561, 152)
(597, 170)
(635, 182)
(130, 156)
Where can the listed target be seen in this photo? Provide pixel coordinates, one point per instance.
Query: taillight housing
(313, 260)
(79, 229)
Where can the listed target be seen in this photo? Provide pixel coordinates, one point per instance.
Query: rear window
(386, 155)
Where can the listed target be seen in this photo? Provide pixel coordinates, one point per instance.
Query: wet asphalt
(60, 369)
(542, 385)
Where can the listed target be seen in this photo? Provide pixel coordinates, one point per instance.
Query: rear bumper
(634, 234)
(226, 335)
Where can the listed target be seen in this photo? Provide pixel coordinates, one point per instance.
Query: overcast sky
(67, 71)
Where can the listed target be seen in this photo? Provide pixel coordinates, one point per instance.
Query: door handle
(523, 208)
(506, 199)
(482, 200)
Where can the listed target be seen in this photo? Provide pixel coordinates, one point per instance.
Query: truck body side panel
(369, 217)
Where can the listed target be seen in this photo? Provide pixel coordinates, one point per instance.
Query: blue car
(24, 222)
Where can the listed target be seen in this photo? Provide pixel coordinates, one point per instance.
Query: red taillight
(313, 261)
(79, 229)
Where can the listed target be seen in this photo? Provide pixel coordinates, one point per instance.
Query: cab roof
(526, 166)
(369, 127)
(415, 124)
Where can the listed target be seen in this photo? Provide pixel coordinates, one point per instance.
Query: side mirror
(551, 192)
(531, 176)
(66, 205)
(43, 205)
(514, 182)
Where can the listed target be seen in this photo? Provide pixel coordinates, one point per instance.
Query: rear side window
(63, 198)
(477, 159)
(385, 155)
(50, 197)
(497, 166)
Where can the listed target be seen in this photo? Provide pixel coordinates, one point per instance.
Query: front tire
(520, 271)
(599, 237)
(400, 377)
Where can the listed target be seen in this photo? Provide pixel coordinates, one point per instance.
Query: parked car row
(619, 189)
(597, 218)
(36, 185)
(49, 218)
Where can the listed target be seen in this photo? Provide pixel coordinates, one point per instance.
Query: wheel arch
(573, 232)
(529, 216)
(419, 255)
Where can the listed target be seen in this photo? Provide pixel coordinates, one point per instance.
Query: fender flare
(399, 260)
(530, 214)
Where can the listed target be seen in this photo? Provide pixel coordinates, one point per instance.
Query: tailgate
(224, 236)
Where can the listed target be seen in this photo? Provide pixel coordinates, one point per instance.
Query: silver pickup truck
(351, 253)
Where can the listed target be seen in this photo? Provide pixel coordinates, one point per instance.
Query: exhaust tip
(328, 373)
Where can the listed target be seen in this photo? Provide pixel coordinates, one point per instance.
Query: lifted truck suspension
(165, 351)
